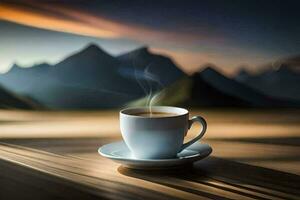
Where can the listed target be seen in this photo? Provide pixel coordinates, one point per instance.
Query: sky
(227, 33)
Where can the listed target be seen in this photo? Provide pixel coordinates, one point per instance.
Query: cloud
(29, 17)
(66, 18)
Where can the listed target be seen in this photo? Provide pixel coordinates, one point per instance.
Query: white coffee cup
(157, 137)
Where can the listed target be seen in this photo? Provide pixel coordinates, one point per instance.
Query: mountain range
(210, 88)
(91, 78)
(9, 100)
(282, 82)
(223, 91)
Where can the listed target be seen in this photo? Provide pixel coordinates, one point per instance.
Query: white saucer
(119, 152)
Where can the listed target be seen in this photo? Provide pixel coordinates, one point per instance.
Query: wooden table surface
(247, 165)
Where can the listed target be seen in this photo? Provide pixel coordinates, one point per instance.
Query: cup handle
(202, 121)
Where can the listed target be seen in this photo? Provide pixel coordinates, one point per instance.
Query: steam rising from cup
(151, 80)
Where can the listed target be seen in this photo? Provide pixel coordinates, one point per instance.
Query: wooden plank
(213, 178)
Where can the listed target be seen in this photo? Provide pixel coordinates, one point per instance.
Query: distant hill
(157, 65)
(282, 82)
(12, 101)
(177, 94)
(210, 88)
(91, 78)
(293, 63)
(20, 80)
(90, 67)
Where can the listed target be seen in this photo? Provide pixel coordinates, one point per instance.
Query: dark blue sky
(227, 33)
(255, 23)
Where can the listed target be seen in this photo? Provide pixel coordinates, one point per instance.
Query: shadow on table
(289, 141)
(217, 178)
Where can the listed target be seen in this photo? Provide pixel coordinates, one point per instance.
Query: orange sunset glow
(26, 17)
(83, 23)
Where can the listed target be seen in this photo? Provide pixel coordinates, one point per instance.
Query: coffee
(155, 114)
